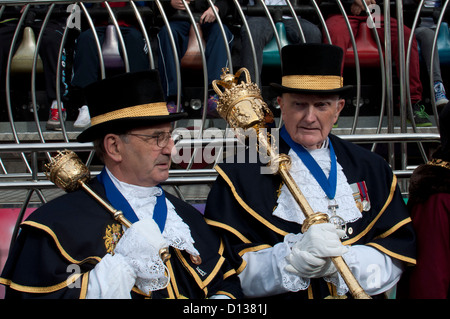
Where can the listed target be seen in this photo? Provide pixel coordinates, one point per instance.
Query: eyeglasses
(162, 138)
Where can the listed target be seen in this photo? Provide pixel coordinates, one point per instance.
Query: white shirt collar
(312, 191)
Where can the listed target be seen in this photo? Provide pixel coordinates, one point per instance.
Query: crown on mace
(241, 105)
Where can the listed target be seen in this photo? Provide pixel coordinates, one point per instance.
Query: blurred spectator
(340, 36)
(425, 36)
(424, 33)
(262, 33)
(48, 51)
(215, 48)
(86, 61)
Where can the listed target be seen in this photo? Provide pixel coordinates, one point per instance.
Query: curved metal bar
(436, 34)
(408, 61)
(357, 66)
(274, 28)
(388, 67)
(33, 75)
(322, 20)
(205, 79)
(58, 78)
(119, 34)
(402, 79)
(224, 36)
(383, 76)
(8, 79)
(250, 37)
(230, 60)
(97, 41)
(408, 92)
(277, 39)
(174, 49)
(294, 16)
(178, 191)
(144, 33)
(382, 69)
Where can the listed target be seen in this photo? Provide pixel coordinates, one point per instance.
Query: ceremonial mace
(242, 106)
(68, 172)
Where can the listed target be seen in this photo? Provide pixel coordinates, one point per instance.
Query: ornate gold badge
(113, 233)
(439, 162)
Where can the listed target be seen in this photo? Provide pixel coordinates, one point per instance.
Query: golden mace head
(66, 170)
(241, 105)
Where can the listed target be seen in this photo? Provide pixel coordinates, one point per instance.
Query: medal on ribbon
(328, 185)
(361, 196)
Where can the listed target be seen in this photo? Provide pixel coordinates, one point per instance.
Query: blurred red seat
(367, 49)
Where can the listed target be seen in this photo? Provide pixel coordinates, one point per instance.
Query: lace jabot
(313, 193)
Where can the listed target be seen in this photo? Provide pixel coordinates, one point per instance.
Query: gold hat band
(313, 82)
(150, 109)
(439, 162)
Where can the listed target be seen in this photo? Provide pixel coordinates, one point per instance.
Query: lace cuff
(295, 283)
(290, 281)
(336, 279)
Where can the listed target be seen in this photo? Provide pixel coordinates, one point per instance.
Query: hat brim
(122, 125)
(284, 89)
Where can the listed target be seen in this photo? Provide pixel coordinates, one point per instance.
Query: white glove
(148, 232)
(140, 245)
(309, 257)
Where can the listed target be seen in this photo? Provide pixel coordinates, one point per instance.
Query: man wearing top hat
(261, 222)
(72, 247)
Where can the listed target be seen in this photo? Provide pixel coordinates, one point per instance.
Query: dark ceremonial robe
(242, 200)
(429, 204)
(69, 236)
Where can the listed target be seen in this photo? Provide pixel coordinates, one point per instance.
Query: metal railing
(149, 17)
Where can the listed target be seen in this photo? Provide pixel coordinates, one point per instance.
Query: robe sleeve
(430, 278)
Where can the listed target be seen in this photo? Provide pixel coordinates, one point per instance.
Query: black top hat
(122, 102)
(311, 68)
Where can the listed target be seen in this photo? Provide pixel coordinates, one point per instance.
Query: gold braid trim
(313, 82)
(150, 109)
(439, 162)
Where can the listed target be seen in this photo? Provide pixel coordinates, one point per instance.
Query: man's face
(144, 162)
(309, 118)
